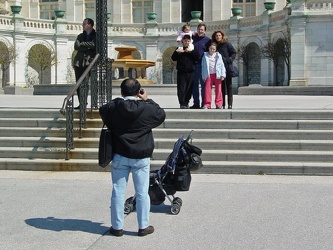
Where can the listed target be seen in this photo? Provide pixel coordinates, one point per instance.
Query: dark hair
(224, 39)
(186, 37)
(90, 21)
(202, 25)
(186, 26)
(130, 87)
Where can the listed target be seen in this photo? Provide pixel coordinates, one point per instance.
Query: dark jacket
(86, 49)
(201, 44)
(228, 53)
(131, 123)
(185, 60)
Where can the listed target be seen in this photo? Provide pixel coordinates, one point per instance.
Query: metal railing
(68, 105)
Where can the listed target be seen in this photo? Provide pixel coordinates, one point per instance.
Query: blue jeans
(197, 78)
(120, 169)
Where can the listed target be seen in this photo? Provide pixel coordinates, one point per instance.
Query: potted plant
(236, 11)
(196, 14)
(151, 16)
(59, 13)
(269, 5)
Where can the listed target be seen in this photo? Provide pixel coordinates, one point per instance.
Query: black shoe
(229, 107)
(115, 232)
(195, 107)
(146, 231)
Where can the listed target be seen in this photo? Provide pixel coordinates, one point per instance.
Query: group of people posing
(205, 62)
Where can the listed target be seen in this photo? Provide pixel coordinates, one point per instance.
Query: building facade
(306, 24)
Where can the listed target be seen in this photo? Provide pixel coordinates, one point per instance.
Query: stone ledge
(17, 90)
(256, 89)
(52, 89)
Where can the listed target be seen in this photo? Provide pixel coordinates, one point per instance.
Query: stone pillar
(61, 70)
(34, 10)
(151, 54)
(175, 11)
(70, 12)
(151, 24)
(79, 11)
(298, 60)
(19, 46)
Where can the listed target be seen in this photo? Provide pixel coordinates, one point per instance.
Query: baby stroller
(173, 176)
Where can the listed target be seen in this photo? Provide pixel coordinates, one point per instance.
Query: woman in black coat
(228, 53)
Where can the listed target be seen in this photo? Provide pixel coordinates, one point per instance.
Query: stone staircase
(233, 141)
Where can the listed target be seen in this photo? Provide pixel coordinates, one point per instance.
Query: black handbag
(234, 72)
(105, 147)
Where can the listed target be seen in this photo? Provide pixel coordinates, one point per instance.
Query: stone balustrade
(38, 24)
(218, 25)
(127, 29)
(250, 22)
(5, 21)
(320, 5)
(137, 29)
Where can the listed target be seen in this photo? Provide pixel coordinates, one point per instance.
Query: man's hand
(143, 94)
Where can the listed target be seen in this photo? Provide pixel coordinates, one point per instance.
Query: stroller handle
(189, 136)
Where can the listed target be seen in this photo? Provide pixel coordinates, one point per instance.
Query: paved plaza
(70, 210)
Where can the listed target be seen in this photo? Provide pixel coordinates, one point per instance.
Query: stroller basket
(173, 176)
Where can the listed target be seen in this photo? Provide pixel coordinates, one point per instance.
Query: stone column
(19, 46)
(175, 11)
(34, 10)
(61, 41)
(79, 11)
(70, 12)
(151, 54)
(298, 61)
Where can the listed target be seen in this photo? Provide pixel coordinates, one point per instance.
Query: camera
(141, 91)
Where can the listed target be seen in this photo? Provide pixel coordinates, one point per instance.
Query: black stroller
(173, 176)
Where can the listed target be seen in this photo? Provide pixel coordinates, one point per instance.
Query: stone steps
(233, 141)
(162, 143)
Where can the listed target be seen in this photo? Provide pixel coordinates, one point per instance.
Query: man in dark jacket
(185, 67)
(86, 51)
(201, 43)
(131, 119)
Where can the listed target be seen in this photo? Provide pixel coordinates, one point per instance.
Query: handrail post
(69, 127)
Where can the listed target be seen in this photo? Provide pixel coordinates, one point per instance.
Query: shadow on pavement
(57, 224)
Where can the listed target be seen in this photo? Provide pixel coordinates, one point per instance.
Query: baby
(186, 30)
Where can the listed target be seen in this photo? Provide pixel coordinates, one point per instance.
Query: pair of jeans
(120, 169)
(197, 79)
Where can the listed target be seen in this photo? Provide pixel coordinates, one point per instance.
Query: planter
(59, 13)
(269, 5)
(196, 14)
(16, 9)
(151, 16)
(236, 11)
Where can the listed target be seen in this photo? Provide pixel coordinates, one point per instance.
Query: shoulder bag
(105, 147)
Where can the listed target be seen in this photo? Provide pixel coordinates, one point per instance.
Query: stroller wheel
(129, 205)
(128, 208)
(175, 209)
(178, 201)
